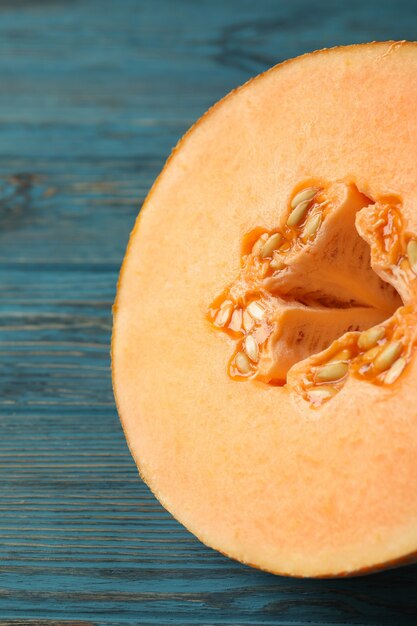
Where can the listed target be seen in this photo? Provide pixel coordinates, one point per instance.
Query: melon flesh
(255, 470)
(299, 330)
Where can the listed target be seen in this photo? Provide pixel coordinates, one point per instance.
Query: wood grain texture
(94, 94)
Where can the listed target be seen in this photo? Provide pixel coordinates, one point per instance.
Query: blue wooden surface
(93, 94)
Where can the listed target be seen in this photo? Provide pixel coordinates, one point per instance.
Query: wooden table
(93, 95)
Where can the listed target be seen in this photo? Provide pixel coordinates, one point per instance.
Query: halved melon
(265, 330)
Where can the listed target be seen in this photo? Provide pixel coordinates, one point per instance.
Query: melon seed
(235, 323)
(242, 363)
(332, 371)
(298, 214)
(264, 269)
(321, 393)
(303, 196)
(256, 310)
(389, 354)
(277, 262)
(224, 314)
(412, 254)
(369, 338)
(311, 227)
(247, 321)
(252, 348)
(395, 371)
(271, 244)
(371, 354)
(258, 245)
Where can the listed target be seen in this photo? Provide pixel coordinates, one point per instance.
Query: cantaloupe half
(264, 346)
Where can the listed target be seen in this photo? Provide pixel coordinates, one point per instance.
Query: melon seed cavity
(317, 299)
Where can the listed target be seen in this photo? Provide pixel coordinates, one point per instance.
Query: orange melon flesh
(255, 470)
